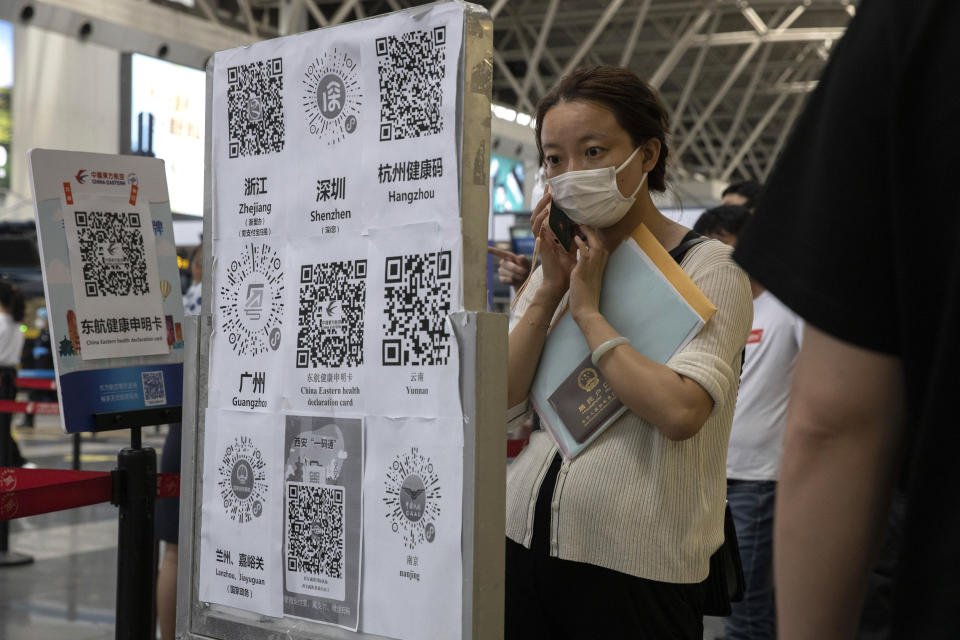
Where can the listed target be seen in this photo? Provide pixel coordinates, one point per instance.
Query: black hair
(731, 218)
(634, 104)
(12, 301)
(749, 189)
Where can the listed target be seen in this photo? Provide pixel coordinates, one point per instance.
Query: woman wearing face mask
(616, 542)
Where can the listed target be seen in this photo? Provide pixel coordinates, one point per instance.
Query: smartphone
(562, 226)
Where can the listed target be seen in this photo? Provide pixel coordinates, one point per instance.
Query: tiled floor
(69, 591)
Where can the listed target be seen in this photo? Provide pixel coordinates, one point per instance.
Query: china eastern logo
(108, 178)
(332, 97)
(113, 255)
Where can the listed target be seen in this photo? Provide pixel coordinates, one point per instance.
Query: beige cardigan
(634, 501)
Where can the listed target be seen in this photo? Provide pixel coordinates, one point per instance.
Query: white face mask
(591, 196)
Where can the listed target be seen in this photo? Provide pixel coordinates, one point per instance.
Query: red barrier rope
(38, 408)
(36, 383)
(29, 492)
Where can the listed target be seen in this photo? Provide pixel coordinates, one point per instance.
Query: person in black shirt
(856, 232)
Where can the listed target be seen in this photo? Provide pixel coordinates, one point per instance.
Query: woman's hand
(555, 261)
(586, 277)
(540, 213)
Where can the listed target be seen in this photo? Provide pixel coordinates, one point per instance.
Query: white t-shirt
(756, 439)
(191, 300)
(11, 341)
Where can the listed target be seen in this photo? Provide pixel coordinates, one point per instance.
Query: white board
(337, 259)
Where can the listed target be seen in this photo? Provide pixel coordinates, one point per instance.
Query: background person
(513, 268)
(12, 307)
(192, 297)
(723, 223)
(756, 439)
(616, 542)
(38, 354)
(745, 194)
(873, 269)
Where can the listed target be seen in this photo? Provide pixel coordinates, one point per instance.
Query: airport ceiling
(734, 74)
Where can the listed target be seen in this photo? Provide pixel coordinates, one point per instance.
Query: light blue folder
(641, 303)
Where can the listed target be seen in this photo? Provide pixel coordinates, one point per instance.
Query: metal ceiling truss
(733, 73)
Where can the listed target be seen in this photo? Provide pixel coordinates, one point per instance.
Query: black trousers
(8, 391)
(547, 597)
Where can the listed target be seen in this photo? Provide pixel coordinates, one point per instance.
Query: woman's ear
(651, 154)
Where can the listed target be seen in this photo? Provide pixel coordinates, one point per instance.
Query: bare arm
(526, 344)
(844, 427)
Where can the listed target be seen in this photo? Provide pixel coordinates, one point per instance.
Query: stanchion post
(135, 487)
(76, 452)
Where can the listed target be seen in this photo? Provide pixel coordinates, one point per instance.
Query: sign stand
(111, 281)
(479, 337)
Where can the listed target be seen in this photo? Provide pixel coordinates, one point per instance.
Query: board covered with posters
(111, 281)
(331, 450)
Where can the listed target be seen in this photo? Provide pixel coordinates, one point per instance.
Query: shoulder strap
(689, 241)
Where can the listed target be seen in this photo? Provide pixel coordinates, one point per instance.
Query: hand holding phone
(562, 226)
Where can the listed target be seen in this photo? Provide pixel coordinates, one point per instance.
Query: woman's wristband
(607, 346)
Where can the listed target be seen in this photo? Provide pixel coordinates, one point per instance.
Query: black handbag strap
(689, 241)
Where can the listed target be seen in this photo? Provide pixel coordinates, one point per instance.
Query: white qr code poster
(116, 284)
(336, 264)
(413, 491)
(323, 519)
(249, 300)
(414, 288)
(413, 71)
(329, 121)
(326, 366)
(240, 533)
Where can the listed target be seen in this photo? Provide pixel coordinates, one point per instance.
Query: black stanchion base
(14, 559)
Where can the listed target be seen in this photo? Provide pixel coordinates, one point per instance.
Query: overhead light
(511, 115)
(504, 113)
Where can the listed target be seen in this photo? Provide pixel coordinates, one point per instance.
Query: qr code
(255, 123)
(154, 391)
(112, 259)
(417, 296)
(330, 314)
(411, 67)
(315, 540)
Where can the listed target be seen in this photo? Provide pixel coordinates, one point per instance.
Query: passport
(584, 401)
